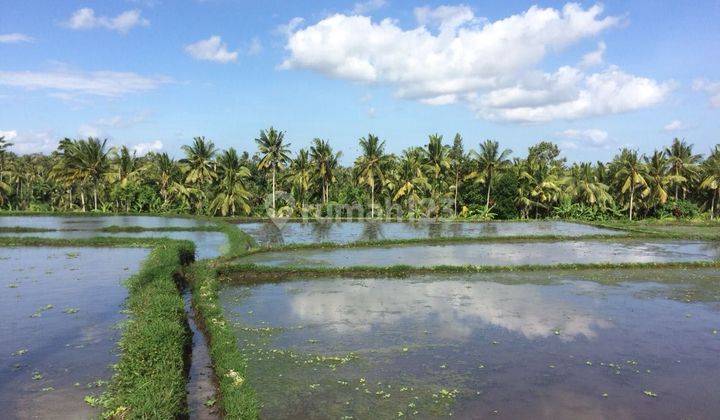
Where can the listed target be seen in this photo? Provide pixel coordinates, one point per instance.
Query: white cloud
(67, 84)
(711, 88)
(591, 137)
(85, 18)
(8, 135)
(594, 58)
(571, 94)
(289, 28)
(211, 49)
(489, 66)
(446, 18)
(144, 148)
(27, 142)
(674, 125)
(371, 112)
(15, 38)
(364, 7)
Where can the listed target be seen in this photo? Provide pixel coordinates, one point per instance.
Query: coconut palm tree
(275, 154)
(88, 162)
(489, 161)
(325, 162)
(659, 178)
(410, 177)
(198, 164)
(457, 161)
(683, 164)
(630, 174)
(166, 173)
(584, 186)
(301, 175)
(4, 147)
(371, 165)
(436, 160)
(711, 177)
(232, 194)
(126, 171)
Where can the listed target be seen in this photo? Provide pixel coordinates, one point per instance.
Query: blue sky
(155, 73)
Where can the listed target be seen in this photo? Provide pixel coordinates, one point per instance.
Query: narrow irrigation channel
(201, 385)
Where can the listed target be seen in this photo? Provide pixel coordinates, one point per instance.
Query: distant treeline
(436, 179)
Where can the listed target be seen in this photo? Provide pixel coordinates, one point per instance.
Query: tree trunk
(457, 181)
(487, 201)
(632, 196)
(676, 191)
(372, 201)
(95, 196)
(273, 191)
(82, 199)
(712, 206)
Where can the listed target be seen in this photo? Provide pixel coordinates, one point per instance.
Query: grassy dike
(236, 397)
(150, 376)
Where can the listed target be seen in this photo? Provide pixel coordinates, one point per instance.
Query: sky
(153, 74)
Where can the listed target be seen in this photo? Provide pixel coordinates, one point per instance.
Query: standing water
(552, 345)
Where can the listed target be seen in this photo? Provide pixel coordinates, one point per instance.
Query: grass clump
(237, 399)
(150, 377)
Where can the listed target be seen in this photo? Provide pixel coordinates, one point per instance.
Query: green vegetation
(259, 273)
(237, 398)
(150, 377)
(437, 180)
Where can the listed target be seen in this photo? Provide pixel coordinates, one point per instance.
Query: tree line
(489, 182)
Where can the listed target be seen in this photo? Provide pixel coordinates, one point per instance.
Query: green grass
(114, 229)
(150, 377)
(248, 273)
(100, 241)
(237, 398)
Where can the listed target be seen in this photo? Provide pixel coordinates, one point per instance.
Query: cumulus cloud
(594, 58)
(711, 88)
(590, 137)
(365, 7)
(674, 125)
(15, 38)
(27, 142)
(454, 57)
(144, 148)
(211, 49)
(67, 84)
(85, 18)
(8, 135)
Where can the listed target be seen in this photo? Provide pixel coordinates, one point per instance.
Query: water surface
(98, 222)
(606, 344)
(495, 254)
(207, 244)
(58, 309)
(269, 233)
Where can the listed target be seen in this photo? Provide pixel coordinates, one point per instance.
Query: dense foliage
(435, 180)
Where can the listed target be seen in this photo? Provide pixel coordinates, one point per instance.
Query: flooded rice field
(496, 254)
(269, 233)
(207, 244)
(59, 308)
(98, 222)
(554, 345)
